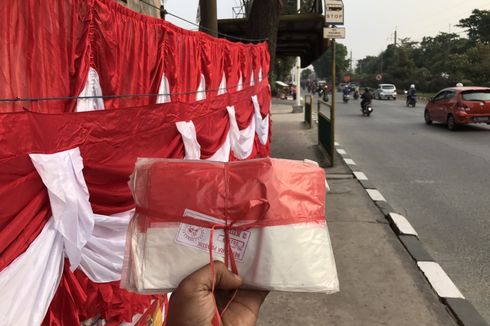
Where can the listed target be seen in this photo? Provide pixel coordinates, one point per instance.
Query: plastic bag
(270, 212)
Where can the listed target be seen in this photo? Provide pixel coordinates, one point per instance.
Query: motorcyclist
(412, 94)
(356, 92)
(366, 97)
(346, 90)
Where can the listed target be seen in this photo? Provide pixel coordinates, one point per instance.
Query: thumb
(225, 279)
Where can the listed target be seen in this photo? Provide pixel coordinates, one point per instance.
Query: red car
(459, 105)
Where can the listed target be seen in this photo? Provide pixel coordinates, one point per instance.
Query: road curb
(462, 310)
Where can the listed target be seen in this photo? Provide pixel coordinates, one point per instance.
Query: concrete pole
(332, 110)
(298, 70)
(209, 17)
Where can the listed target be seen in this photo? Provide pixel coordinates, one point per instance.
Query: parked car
(385, 92)
(459, 105)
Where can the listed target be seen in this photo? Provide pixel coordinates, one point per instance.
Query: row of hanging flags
(86, 87)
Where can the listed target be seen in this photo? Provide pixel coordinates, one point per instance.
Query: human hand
(194, 304)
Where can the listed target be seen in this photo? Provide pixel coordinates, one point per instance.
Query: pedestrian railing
(308, 110)
(326, 129)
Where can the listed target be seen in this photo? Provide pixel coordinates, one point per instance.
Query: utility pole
(395, 37)
(209, 17)
(298, 107)
(351, 62)
(298, 69)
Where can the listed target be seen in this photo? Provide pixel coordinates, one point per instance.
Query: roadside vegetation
(434, 63)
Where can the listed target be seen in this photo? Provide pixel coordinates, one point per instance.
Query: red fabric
(129, 51)
(43, 52)
(46, 50)
(108, 151)
(262, 192)
(78, 299)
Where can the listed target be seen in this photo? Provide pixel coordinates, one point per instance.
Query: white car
(385, 92)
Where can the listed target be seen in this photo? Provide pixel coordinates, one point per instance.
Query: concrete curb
(463, 311)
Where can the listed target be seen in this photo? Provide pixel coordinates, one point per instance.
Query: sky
(370, 25)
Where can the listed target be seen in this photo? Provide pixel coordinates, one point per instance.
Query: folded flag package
(265, 218)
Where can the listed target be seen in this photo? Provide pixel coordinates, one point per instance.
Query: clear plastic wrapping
(273, 211)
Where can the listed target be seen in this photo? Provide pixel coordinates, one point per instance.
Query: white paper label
(198, 237)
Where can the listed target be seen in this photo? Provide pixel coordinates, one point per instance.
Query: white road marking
(360, 176)
(375, 195)
(341, 151)
(349, 161)
(439, 280)
(403, 225)
(336, 144)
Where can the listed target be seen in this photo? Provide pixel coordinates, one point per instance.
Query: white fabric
(240, 83)
(297, 258)
(165, 90)
(223, 153)
(260, 74)
(242, 141)
(69, 199)
(92, 88)
(252, 79)
(103, 255)
(188, 132)
(29, 283)
(201, 90)
(222, 85)
(261, 125)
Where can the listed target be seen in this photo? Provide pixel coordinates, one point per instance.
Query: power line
(65, 98)
(205, 28)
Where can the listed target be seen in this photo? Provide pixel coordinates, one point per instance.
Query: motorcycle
(411, 101)
(346, 98)
(367, 109)
(323, 94)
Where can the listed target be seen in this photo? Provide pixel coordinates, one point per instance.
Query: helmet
(412, 86)
(459, 85)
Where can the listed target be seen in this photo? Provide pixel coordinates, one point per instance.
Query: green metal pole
(332, 107)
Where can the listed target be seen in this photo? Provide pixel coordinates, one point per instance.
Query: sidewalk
(380, 284)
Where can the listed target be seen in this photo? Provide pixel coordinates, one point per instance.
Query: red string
(216, 318)
(229, 261)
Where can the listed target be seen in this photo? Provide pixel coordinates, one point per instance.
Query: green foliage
(323, 65)
(282, 68)
(281, 71)
(306, 73)
(478, 25)
(435, 62)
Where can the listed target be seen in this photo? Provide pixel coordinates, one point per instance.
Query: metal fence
(308, 110)
(326, 129)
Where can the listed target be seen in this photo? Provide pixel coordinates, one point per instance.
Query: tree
(282, 68)
(306, 73)
(263, 22)
(477, 67)
(478, 25)
(323, 65)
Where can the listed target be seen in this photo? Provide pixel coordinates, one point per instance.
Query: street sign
(334, 32)
(379, 77)
(334, 12)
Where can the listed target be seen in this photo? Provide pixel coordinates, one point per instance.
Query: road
(438, 179)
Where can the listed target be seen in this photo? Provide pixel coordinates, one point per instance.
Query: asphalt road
(438, 179)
